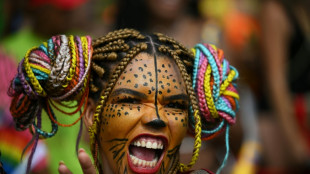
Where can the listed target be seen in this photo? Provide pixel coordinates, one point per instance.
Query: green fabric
(19, 43)
(61, 147)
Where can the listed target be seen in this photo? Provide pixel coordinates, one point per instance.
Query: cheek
(118, 120)
(178, 125)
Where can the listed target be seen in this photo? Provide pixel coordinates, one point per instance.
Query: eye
(129, 100)
(177, 105)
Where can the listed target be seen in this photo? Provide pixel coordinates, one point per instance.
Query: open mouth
(145, 153)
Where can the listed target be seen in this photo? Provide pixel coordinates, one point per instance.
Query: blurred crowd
(267, 40)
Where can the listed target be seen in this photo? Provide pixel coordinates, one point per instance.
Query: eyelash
(176, 105)
(129, 100)
(173, 105)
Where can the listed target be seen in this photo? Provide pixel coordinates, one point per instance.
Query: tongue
(143, 153)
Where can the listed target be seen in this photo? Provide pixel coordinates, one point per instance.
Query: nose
(157, 123)
(154, 117)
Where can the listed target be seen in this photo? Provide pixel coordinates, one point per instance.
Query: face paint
(145, 119)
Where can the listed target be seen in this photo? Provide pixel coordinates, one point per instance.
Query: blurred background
(267, 40)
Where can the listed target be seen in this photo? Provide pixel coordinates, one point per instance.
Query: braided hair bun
(214, 81)
(55, 71)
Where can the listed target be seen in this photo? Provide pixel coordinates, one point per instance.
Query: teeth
(148, 145)
(142, 163)
(138, 144)
(135, 161)
(154, 145)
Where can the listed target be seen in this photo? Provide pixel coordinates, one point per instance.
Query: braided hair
(70, 69)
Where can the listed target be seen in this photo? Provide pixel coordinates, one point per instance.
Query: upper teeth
(149, 144)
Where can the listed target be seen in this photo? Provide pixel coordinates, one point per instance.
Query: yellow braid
(232, 94)
(197, 145)
(34, 81)
(73, 61)
(85, 54)
(45, 70)
(208, 93)
(228, 81)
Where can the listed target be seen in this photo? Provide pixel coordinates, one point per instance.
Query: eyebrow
(128, 91)
(177, 97)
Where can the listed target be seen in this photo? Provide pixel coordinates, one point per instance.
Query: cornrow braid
(119, 34)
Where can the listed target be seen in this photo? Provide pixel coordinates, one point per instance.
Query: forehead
(151, 73)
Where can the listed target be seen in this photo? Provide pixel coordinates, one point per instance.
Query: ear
(89, 113)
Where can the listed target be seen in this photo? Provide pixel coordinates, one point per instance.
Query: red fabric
(301, 116)
(41, 165)
(62, 4)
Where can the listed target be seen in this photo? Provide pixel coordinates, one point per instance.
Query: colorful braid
(105, 48)
(51, 76)
(214, 83)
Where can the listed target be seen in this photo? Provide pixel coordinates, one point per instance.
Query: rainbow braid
(214, 83)
(51, 76)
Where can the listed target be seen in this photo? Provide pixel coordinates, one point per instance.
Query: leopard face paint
(145, 117)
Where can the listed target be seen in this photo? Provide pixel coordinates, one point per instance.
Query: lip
(141, 170)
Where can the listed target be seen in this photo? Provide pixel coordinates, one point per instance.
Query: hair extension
(62, 70)
(215, 84)
(78, 139)
(49, 76)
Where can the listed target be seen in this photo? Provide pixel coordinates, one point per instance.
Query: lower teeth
(142, 163)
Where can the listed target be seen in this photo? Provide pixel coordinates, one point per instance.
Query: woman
(286, 53)
(140, 92)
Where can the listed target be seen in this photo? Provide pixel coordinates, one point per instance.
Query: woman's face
(145, 117)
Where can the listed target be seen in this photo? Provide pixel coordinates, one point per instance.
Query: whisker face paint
(151, 118)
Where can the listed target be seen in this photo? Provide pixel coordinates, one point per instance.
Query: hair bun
(214, 82)
(55, 71)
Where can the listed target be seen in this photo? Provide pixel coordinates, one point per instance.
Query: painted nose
(157, 123)
(154, 117)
